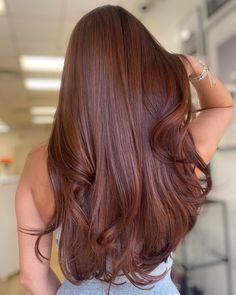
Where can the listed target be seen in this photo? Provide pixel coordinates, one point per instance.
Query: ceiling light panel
(42, 119)
(2, 7)
(42, 110)
(42, 84)
(36, 63)
(4, 127)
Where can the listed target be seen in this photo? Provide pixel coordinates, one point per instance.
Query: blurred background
(33, 39)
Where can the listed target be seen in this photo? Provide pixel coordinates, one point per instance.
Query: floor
(12, 286)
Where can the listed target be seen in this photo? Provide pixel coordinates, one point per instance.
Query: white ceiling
(39, 27)
(43, 27)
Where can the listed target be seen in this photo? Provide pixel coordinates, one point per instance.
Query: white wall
(164, 20)
(18, 144)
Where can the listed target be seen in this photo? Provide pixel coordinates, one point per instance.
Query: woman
(119, 179)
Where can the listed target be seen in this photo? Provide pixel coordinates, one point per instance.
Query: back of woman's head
(120, 156)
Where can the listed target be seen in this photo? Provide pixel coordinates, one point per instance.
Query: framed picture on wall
(213, 5)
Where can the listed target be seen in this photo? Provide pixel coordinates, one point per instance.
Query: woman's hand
(192, 65)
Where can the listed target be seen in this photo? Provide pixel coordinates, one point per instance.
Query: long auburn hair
(120, 157)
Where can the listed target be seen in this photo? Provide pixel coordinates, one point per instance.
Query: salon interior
(33, 39)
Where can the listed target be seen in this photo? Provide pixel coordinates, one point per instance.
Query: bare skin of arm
(210, 125)
(34, 207)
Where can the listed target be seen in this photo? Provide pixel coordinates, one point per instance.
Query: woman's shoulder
(36, 177)
(35, 168)
(39, 150)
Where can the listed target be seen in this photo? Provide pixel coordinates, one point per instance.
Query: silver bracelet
(202, 76)
(205, 72)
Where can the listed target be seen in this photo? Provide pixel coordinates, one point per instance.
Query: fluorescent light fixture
(42, 119)
(4, 127)
(185, 34)
(42, 84)
(2, 7)
(42, 110)
(37, 63)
